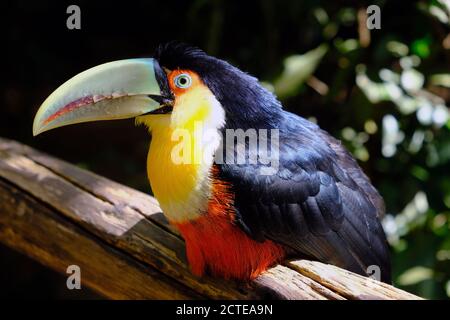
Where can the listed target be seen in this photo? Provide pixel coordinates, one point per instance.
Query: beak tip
(37, 129)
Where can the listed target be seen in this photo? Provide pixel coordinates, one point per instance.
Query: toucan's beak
(115, 90)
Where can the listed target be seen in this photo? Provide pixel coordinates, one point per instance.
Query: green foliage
(390, 101)
(297, 69)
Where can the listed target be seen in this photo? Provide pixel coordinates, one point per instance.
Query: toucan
(237, 220)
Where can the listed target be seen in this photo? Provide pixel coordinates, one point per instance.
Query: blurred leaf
(330, 30)
(439, 13)
(447, 288)
(361, 154)
(411, 217)
(421, 47)
(370, 126)
(447, 200)
(438, 225)
(321, 15)
(377, 92)
(443, 255)
(440, 80)
(415, 275)
(297, 69)
(392, 135)
(420, 173)
(412, 80)
(345, 46)
(416, 142)
(440, 115)
(347, 16)
(397, 48)
(425, 113)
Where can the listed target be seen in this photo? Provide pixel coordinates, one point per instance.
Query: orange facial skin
(171, 75)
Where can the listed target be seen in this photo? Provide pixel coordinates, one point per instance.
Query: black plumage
(319, 204)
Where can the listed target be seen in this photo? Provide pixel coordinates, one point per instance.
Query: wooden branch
(62, 215)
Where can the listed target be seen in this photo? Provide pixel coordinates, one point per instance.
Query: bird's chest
(201, 206)
(179, 173)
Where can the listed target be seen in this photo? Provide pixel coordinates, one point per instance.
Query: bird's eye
(183, 81)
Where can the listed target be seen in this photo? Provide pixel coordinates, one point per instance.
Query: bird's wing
(318, 203)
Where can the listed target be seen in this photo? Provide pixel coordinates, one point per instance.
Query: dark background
(256, 36)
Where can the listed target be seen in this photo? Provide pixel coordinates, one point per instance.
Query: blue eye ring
(183, 81)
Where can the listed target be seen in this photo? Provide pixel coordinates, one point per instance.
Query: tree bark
(62, 215)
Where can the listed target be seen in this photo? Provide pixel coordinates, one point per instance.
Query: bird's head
(177, 87)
